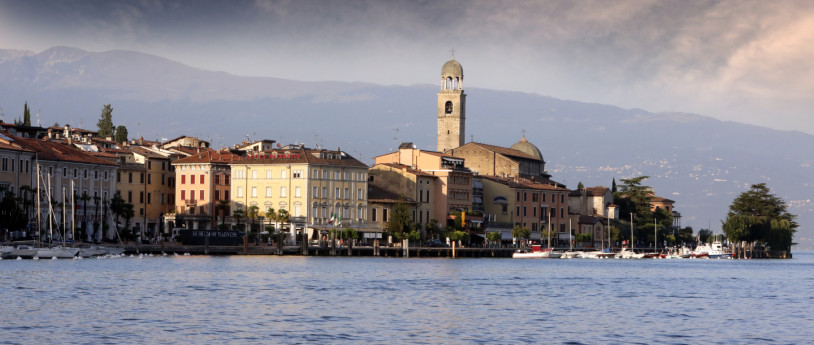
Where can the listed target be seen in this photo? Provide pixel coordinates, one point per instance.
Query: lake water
(269, 299)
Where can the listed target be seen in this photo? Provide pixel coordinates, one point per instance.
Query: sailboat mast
(50, 223)
(73, 212)
(39, 204)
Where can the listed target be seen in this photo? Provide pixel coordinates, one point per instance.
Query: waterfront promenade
(382, 251)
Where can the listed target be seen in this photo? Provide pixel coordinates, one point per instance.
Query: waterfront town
(100, 186)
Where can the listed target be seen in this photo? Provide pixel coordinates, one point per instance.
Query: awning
(477, 200)
(501, 200)
(505, 235)
(477, 184)
(535, 236)
(564, 236)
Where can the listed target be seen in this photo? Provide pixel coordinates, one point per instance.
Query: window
(226, 195)
(149, 178)
(202, 179)
(118, 176)
(268, 173)
(524, 211)
(525, 196)
(297, 192)
(201, 194)
(284, 174)
(64, 170)
(86, 173)
(562, 198)
(226, 179)
(141, 197)
(254, 192)
(162, 179)
(191, 179)
(191, 194)
(384, 215)
(297, 174)
(130, 196)
(373, 214)
(268, 192)
(282, 192)
(254, 174)
(217, 194)
(518, 210)
(315, 173)
(359, 194)
(141, 178)
(183, 178)
(239, 192)
(149, 198)
(325, 192)
(347, 193)
(518, 196)
(74, 171)
(315, 193)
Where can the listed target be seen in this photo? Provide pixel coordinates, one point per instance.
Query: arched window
(455, 84)
(448, 85)
(448, 107)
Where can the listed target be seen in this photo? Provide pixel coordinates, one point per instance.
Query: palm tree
(252, 213)
(238, 214)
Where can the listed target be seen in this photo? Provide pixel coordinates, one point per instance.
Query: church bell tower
(451, 107)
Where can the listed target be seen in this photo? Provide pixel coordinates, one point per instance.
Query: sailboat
(59, 252)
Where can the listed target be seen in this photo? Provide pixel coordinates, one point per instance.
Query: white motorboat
(713, 251)
(628, 254)
(536, 252)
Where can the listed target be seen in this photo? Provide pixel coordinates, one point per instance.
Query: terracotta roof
(10, 145)
(408, 169)
(147, 153)
(301, 156)
(54, 151)
(660, 199)
(524, 183)
(208, 156)
(503, 151)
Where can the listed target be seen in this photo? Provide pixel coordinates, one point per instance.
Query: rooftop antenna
(316, 141)
(395, 137)
(524, 132)
(38, 118)
(471, 138)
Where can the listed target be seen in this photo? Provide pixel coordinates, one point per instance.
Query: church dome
(528, 148)
(453, 69)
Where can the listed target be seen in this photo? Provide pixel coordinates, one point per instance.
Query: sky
(741, 60)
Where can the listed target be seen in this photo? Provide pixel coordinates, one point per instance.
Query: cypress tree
(105, 123)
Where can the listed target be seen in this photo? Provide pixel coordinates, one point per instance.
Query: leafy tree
(583, 238)
(458, 236)
(400, 220)
(757, 215)
(704, 235)
(105, 123)
(580, 186)
(121, 134)
(521, 232)
(12, 216)
(613, 187)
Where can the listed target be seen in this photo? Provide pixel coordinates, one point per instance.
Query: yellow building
(454, 188)
(539, 207)
(408, 185)
(318, 188)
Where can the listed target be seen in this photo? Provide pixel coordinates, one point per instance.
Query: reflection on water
(198, 299)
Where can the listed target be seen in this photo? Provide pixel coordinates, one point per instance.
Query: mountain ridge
(697, 160)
